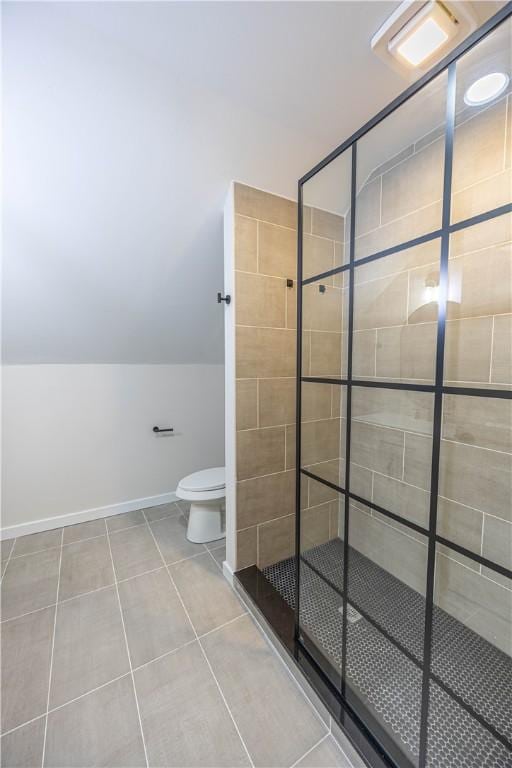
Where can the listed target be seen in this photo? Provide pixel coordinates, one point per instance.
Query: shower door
(403, 582)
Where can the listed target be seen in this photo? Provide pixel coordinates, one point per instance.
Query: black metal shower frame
(438, 389)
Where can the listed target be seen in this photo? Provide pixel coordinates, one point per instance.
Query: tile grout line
(205, 656)
(350, 764)
(50, 673)
(105, 586)
(310, 750)
(8, 561)
(120, 677)
(65, 704)
(126, 642)
(269, 642)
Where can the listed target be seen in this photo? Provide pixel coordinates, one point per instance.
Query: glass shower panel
(324, 309)
(470, 714)
(478, 350)
(400, 166)
(325, 203)
(475, 478)
(482, 149)
(395, 316)
(323, 430)
(321, 572)
(391, 451)
(385, 622)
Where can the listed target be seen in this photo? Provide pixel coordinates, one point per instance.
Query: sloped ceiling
(123, 126)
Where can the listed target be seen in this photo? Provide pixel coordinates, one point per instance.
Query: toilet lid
(205, 480)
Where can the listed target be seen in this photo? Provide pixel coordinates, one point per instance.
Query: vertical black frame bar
(298, 414)
(438, 405)
(348, 411)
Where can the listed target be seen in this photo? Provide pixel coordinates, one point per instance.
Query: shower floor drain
(352, 614)
(386, 679)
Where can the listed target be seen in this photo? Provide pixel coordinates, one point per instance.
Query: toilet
(206, 491)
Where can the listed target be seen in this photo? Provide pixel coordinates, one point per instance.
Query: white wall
(79, 437)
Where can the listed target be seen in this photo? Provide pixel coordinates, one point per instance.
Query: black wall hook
(163, 429)
(220, 298)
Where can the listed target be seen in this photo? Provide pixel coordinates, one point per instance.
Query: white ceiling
(123, 126)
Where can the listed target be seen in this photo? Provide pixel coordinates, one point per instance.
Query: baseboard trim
(49, 523)
(228, 573)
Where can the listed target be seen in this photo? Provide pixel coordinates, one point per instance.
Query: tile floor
(123, 645)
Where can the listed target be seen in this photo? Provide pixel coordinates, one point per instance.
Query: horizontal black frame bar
(461, 49)
(413, 526)
(479, 218)
(361, 500)
(322, 480)
(473, 556)
(393, 640)
(504, 394)
(327, 273)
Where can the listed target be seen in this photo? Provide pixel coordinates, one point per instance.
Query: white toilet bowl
(206, 491)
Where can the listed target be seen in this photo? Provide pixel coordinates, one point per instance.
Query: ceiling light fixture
(418, 34)
(486, 88)
(424, 34)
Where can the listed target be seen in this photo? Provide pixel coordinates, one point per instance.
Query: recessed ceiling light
(424, 34)
(486, 88)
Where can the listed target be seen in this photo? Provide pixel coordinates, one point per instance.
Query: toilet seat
(206, 480)
(203, 486)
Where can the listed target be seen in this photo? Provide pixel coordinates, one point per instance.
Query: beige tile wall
(265, 256)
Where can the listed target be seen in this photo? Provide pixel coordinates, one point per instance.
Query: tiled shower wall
(265, 258)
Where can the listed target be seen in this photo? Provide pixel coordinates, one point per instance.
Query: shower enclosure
(401, 585)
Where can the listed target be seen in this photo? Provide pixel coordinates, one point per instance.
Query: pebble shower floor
(387, 680)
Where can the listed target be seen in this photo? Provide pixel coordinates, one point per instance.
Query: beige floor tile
(327, 754)
(248, 672)
(184, 719)
(6, 547)
(26, 652)
(154, 618)
(161, 511)
(30, 583)
(208, 598)
(100, 729)
(170, 535)
(83, 531)
(125, 520)
(86, 565)
(26, 545)
(134, 551)
(23, 748)
(89, 648)
(219, 555)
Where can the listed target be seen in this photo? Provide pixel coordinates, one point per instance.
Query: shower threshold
(470, 712)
